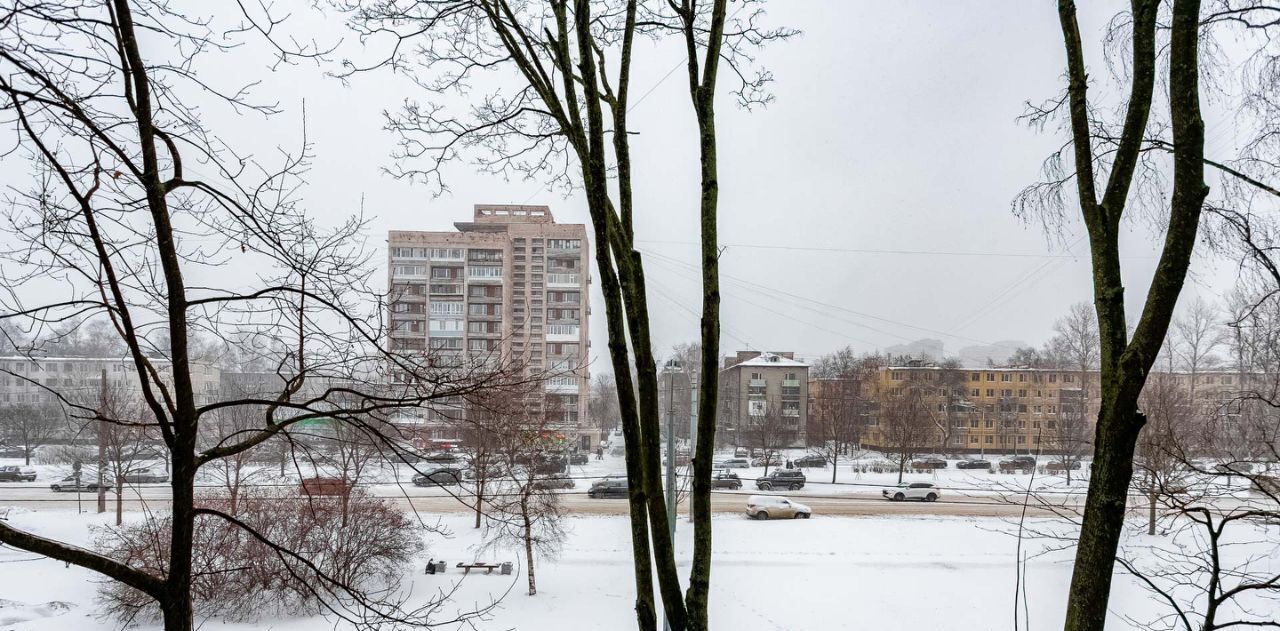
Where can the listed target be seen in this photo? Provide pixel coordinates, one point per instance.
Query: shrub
(317, 558)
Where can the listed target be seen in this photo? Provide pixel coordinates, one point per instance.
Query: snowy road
(440, 500)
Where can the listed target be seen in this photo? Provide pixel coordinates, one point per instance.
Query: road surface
(862, 502)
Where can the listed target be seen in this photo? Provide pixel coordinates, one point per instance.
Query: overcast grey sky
(869, 205)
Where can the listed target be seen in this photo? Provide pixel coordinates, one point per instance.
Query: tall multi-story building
(510, 283)
(764, 400)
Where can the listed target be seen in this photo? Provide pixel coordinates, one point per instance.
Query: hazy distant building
(764, 399)
(44, 380)
(512, 283)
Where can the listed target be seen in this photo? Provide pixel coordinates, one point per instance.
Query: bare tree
(836, 414)
(527, 512)
(905, 424)
(31, 426)
(1125, 359)
(565, 122)
(769, 430)
(106, 121)
(603, 406)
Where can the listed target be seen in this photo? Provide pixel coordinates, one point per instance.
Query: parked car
(551, 465)
(726, 480)
(973, 464)
(553, 482)
(741, 452)
(441, 457)
(608, 487)
(1018, 463)
(1232, 468)
(579, 458)
(12, 452)
(929, 463)
(145, 476)
(926, 491)
(443, 476)
(17, 474)
(1058, 465)
(73, 483)
(771, 460)
(775, 507)
(791, 479)
(324, 486)
(810, 461)
(732, 463)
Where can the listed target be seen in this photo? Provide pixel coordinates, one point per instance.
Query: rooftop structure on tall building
(510, 283)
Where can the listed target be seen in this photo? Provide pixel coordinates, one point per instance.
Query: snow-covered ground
(823, 573)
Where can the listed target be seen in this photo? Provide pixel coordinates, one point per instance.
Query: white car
(776, 507)
(926, 491)
(731, 463)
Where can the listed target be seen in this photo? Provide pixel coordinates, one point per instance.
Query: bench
(487, 567)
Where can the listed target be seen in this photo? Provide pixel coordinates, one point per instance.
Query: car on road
(726, 480)
(442, 476)
(1018, 463)
(929, 463)
(771, 460)
(73, 483)
(813, 461)
(608, 487)
(145, 476)
(579, 458)
(732, 463)
(17, 474)
(790, 479)
(553, 482)
(973, 464)
(776, 507)
(925, 491)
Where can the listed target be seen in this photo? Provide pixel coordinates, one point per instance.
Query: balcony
(756, 383)
(446, 289)
(564, 252)
(563, 280)
(790, 383)
(484, 274)
(562, 333)
(562, 385)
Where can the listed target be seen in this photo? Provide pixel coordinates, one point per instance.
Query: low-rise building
(764, 400)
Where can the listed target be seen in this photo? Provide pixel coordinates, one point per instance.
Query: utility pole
(102, 445)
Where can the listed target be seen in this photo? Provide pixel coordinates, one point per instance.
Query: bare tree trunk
(528, 544)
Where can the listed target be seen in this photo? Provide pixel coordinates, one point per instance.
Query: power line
(884, 251)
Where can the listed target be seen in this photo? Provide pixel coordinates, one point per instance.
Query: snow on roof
(770, 359)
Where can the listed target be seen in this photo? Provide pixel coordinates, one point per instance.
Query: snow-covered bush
(301, 557)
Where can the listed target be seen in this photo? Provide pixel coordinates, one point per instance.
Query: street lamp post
(671, 368)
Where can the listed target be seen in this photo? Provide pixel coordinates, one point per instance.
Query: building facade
(1015, 409)
(764, 400)
(44, 380)
(510, 283)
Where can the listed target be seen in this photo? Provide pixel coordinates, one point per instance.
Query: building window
(1006, 377)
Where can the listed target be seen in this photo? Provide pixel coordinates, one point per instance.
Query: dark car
(550, 465)
(811, 461)
(610, 487)
(726, 480)
(145, 476)
(1058, 465)
(73, 483)
(17, 474)
(12, 452)
(579, 458)
(444, 476)
(441, 457)
(929, 463)
(553, 482)
(973, 464)
(790, 479)
(1018, 463)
